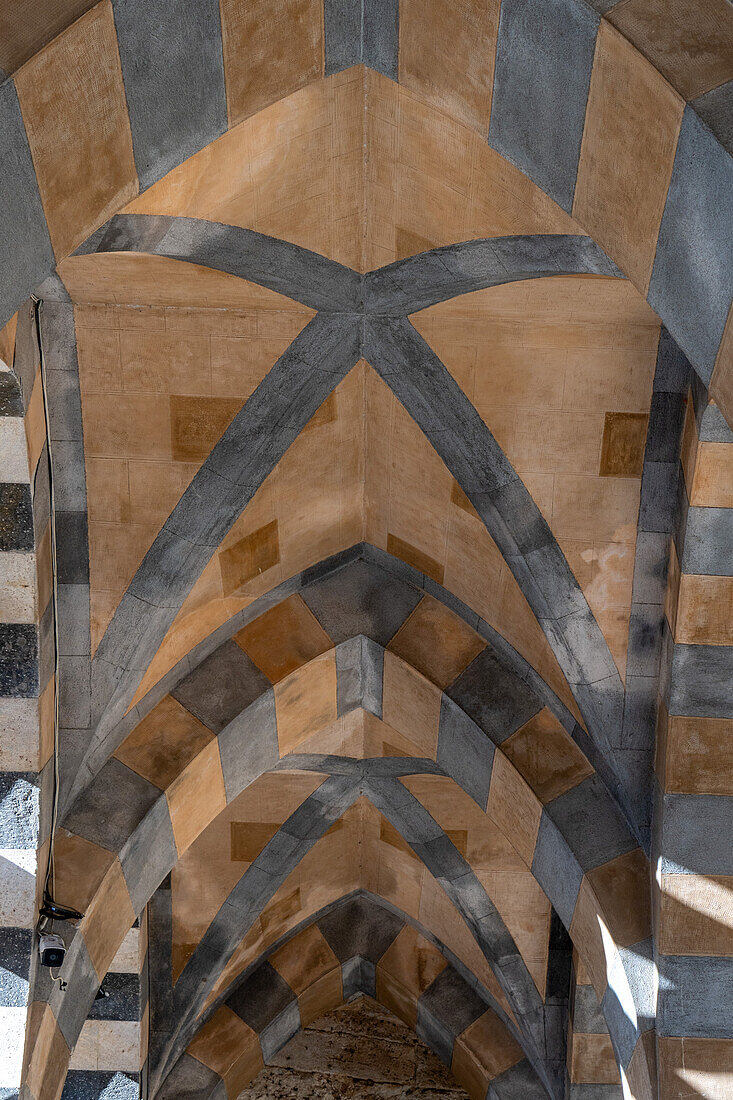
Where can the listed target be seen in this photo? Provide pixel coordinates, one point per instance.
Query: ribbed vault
(366, 538)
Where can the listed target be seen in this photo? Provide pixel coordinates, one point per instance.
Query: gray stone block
(70, 488)
(19, 810)
(26, 255)
(708, 542)
(556, 869)
(446, 1008)
(280, 1031)
(122, 1000)
(702, 681)
(73, 617)
(588, 1018)
(591, 823)
(18, 660)
(544, 58)
(664, 434)
(658, 496)
(92, 1084)
(715, 108)
(360, 928)
(358, 976)
(16, 945)
(693, 267)
(261, 998)
(362, 32)
(650, 567)
(493, 696)
(248, 744)
(518, 1083)
(112, 807)
(363, 599)
(174, 82)
(149, 854)
(645, 640)
(16, 517)
(464, 751)
(189, 1080)
(696, 834)
(696, 996)
(222, 686)
(595, 1092)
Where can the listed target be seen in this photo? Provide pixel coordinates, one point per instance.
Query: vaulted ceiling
(382, 555)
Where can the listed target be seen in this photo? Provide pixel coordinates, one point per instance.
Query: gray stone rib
(286, 268)
(249, 449)
(453, 427)
(417, 282)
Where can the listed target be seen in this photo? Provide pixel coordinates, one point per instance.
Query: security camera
(52, 950)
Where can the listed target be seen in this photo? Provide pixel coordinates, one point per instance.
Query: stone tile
(658, 31)
(591, 823)
(414, 556)
(173, 115)
(73, 103)
(304, 959)
(112, 807)
(222, 686)
(360, 928)
(535, 128)
(284, 638)
(355, 34)
(699, 756)
(436, 642)
(411, 704)
(698, 1001)
(623, 888)
(695, 835)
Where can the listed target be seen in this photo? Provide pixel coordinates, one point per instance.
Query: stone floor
(359, 1051)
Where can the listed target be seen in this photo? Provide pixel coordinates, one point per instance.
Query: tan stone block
(244, 560)
(721, 383)
(107, 919)
(436, 642)
(411, 704)
(73, 102)
(624, 439)
(122, 425)
(699, 755)
(304, 959)
(415, 557)
(155, 362)
(705, 610)
(198, 423)
(696, 915)
(514, 807)
(284, 638)
(164, 743)
(321, 997)
(660, 30)
(447, 56)
(546, 756)
(196, 796)
(483, 1051)
(585, 932)
(625, 167)
(268, 55)
(593, 1060)
(305, 702)
(712, 484)
(108, 490)
(623, 889)
(219, 1043)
